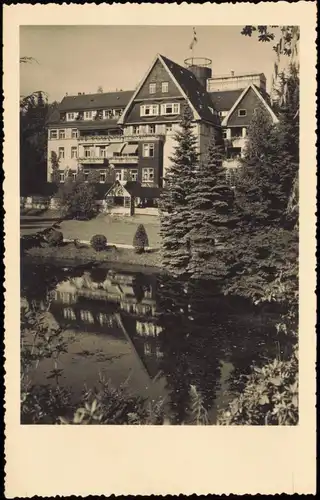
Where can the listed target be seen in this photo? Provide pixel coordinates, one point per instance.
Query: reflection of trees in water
(191, 343)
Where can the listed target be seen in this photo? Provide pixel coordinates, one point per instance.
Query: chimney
(79, 93)
(232, 73)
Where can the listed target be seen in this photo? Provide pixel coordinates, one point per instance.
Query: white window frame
(149, 110)
(136, 130)
(149, 129)
(88, 115)
(74, 176)
(146, 171)
(242, 115)
(152, 88)
(118, 174)
(133, 174)
(102, 173)
(169, 127)
(175, 108)
(225, 134)
(74, 133)
(74, 149)
(71, 116)
(87, 149)
(61, 177)
(107, 114)
(165, 87)
(147, 348)
(54, 134)
(86, 175)
(62, 132)
(102, 151)
(61, 153)
(146, 148)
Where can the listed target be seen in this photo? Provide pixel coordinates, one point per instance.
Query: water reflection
(184, 334)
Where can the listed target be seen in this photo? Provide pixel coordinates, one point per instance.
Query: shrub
(55, 238)
(140, 239)
(98, 242)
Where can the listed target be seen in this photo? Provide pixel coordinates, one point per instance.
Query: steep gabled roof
(190, 88)
(259, 95)
(96, 101)
(223, 100)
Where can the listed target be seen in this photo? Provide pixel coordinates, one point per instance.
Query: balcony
(144, 137)
(86, 160)
(98, 139)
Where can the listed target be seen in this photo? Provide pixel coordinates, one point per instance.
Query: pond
(156, 334)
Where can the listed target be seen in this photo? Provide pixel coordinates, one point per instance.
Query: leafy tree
(77, 198)
(100, 90)
(173, 203)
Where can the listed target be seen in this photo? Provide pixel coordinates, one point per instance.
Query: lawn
(118, 230)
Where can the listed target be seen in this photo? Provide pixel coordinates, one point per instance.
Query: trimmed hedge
(98, 242)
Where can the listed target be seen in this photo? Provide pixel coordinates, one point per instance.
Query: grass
(118, 230)
(86, 254)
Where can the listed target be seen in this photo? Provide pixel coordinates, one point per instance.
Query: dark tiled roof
(223, 100)
(96, 101)
(197, 94)
(135, 189)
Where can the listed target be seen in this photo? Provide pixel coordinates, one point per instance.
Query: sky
(72, 59)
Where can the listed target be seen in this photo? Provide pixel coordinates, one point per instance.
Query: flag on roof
(194, 39)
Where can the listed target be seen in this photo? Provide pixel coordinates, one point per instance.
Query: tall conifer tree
(173, 204)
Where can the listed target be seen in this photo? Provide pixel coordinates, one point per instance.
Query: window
(170, 109)
(103, 151)
(74, 176)
(147, 348)
(103, 176)
(242, 112)
(149, 110)
(74, 133)
(164, 87)
(119, 175)
(136, 129)
(86, 316)
(107, 114)
(223, 113)
(152, 88)
(148, 150)
(159, 353)
(74, 152)
(168, 127)
(152, 129)
(68, 313)
(62, 134)
(61, 177)
(85, 175)
(53, 134)
(134, 174)
(147, 174)
(87, 151)
(61, 153)
(88, 115)
(71, 117)
(225, 134)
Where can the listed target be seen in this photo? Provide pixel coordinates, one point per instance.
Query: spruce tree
(210, 216)
(55, 176)
(173, 204)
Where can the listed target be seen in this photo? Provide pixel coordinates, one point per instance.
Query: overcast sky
(76, 59)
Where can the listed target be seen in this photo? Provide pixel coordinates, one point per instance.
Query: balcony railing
(101, 138)
(112, 160)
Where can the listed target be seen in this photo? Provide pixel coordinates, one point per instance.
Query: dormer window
(242, 112)
(149, 109)
(107, 114)
(88, 115)
(71, 117)
(152, 88)
(164, 87)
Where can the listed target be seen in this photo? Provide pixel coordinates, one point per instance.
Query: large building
(129, 135)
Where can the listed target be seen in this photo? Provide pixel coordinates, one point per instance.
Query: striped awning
(130, 149)
(115, 148)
